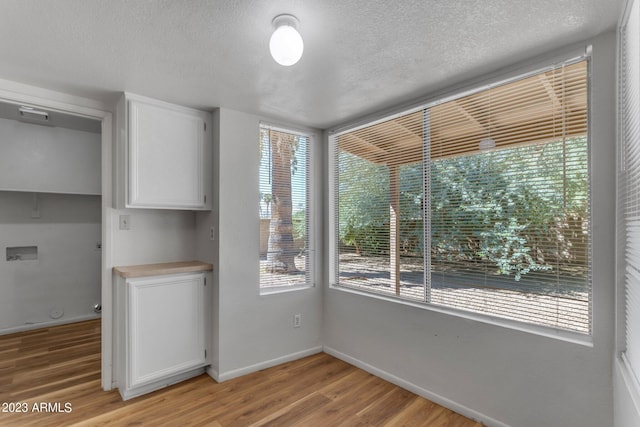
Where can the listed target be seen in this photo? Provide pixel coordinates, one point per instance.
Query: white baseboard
(436, 398)
(213, 373)
(157, 385)
(30, 326)
(224, 376)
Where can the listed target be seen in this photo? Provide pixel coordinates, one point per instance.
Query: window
(629, 184)
(495, 186)
(284, 209)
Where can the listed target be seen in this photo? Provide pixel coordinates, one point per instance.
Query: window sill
(549, 332)
(274, 290)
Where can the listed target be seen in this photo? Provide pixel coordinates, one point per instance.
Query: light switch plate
(125, 222)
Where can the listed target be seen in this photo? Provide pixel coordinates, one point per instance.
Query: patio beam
(394, 227)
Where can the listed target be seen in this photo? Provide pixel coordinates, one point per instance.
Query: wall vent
(22, 253)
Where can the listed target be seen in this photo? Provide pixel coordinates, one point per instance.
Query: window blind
(284, 208)
(629, 180)
(495, 186)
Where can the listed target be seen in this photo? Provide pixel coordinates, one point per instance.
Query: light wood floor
(61, 366)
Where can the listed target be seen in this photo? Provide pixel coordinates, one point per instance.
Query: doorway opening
(55, 192)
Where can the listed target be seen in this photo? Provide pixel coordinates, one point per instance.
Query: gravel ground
(565, 307)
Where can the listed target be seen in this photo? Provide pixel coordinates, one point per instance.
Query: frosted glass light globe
(286, 45)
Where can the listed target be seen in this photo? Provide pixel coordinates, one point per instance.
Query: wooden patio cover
(537, 109)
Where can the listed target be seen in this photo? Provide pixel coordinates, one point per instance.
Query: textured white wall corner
(503, 373)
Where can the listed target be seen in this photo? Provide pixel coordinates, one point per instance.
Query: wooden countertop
(162, 268)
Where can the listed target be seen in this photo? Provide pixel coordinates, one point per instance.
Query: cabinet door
(166, 156)
(166, 327)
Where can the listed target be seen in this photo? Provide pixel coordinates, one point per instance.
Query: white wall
(66, 275)
(501, 375)
(253, 331)
(48, 159)
(154, 236)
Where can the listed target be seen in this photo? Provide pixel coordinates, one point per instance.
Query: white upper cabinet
(167, 155)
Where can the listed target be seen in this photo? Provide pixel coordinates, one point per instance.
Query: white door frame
(56, 101)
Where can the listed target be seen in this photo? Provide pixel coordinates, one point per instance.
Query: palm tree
(281, 251)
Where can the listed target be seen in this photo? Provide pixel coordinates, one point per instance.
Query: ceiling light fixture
(286, 44)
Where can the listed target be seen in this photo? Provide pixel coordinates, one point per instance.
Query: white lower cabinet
(162, 338)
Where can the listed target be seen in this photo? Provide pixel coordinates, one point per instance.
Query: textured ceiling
(360, 55)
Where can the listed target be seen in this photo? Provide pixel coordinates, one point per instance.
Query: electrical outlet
(125, 222)
(297, 320)
(212, 233)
